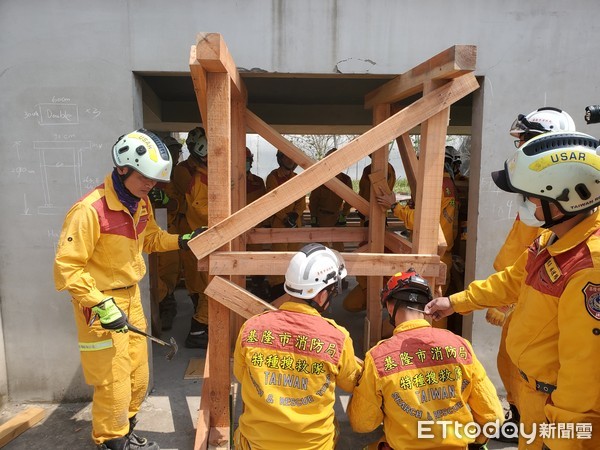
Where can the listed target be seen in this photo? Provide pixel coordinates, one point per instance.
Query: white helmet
(562, 168)
(312, 269)
(540, 121)
(196, 142)
(144, 152)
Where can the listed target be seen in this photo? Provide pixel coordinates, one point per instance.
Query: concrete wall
(67, 91)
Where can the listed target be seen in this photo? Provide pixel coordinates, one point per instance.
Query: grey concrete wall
(67, 90)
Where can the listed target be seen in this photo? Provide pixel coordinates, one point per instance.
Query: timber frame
(444, 79)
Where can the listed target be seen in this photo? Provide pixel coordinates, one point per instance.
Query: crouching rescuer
(99, 262)
(425, 384)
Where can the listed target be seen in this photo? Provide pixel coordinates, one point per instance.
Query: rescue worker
(327, 209)
(448, 211)
(288, 217)
(255, 188)
(193, 178)
(421, 373)
(520, 237)
(165, 195)
(99, 262)
(289, 361)
(553, 334)
(356, 300)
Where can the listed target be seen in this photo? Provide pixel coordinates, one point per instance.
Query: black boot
(121, 443)
(198, 335)
(137, 442)
(167, 310)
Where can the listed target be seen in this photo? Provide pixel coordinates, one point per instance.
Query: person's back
(290, 361)
(424, 383)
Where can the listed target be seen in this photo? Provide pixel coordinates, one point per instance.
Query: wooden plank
(369, 264)
(218, 438)
(304, 161)
(20, 423)
(203, 421)
(219, 194)
(236, 298)
(273, 201)
(450, 63)
(306, 234)
(195, 369)
(199, 80)
(409, 161)
(212, 53)
(379, 182)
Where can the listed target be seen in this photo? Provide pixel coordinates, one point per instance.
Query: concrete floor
(169, 414)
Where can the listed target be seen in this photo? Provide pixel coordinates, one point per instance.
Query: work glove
(341, 222)
(111, 316)
(497, 315)
(314, 221)
(158, 196)
(476, 446)
(185, 238)
(291, 220)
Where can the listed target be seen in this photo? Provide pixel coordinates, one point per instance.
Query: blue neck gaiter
(129, 200)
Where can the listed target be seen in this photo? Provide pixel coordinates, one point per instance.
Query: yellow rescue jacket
(289, 363)
(326, 205)
(422, 374)
(519, 238)
(196, 197)
(100, 245)
(274, 179)
(555, 329)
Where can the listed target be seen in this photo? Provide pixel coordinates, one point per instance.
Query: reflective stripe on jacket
(100, 246)
(422, 374)
(289, 363)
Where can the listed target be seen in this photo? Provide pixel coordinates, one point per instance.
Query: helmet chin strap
(549, 221)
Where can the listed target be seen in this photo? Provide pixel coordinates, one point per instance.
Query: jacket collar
(411, 325)
(576, 235)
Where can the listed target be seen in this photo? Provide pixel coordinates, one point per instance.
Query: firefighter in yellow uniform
(327, 209)
(555, 326)
(519, 238)
(421, 374)
(255, 189)
(288, 217)
(99, 262)
(356, 300)
(196, 215)
(165, 195)
(290, 361)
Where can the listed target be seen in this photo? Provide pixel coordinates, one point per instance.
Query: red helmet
(408, 287)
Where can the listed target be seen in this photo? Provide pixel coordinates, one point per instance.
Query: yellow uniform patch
(565, 157)
(552, 270)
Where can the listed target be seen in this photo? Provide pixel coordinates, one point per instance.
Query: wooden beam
(369, 264)
(199, 80)
(212, 53)
(409, 161)
(304, 161)
(306, 234)
(451, 63)
(20, 423)
(236, 298)
(273, 201)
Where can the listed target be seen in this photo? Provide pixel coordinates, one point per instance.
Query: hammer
(171, 342)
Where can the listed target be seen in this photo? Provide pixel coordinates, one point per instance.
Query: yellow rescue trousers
(115, 364)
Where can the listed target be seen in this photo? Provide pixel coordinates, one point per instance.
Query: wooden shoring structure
(222, 98)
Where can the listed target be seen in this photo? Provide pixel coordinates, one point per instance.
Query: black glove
(158, 196)
(185, 238)
(291, 220)
(476, 446)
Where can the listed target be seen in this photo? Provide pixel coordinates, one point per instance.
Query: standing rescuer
(555, 329)
(421, 374)
(99, 261)
(289, 361)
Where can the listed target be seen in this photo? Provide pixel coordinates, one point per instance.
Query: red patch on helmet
(591, 294)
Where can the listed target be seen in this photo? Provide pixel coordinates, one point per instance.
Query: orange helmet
(408, 287)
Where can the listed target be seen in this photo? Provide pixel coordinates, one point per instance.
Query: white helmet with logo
(540, 121)
(312, 269)
(562, 168)
(196, 143)
(144, 152)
